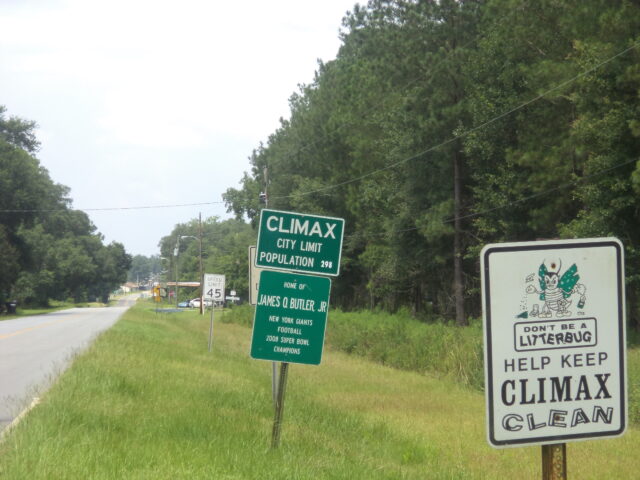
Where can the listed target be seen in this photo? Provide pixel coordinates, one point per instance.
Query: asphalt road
(35, 350)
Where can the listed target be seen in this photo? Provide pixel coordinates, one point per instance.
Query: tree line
(48, 250)
(442, 126)
(224, 251)
(145, 270)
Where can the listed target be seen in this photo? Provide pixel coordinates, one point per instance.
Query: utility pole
(175, 254)
(458, 278)
(274, 366)
(200, 258)
(177, 251)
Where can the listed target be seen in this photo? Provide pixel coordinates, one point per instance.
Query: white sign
(254, 276)
(214, 287)
(554, 341)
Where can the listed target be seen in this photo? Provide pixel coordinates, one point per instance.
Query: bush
(438, 348)
(403, 342)
(239, 314)
(400, 341)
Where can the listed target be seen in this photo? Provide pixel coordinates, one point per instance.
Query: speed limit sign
(214, 287)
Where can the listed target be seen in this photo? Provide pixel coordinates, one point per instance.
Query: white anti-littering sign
(554, 338)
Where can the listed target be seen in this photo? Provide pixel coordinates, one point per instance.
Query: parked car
(183, 305)
(194, 303)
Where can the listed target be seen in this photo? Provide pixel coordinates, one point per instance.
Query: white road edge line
(17, 420)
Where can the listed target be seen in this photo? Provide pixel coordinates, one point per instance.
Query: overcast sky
(152, 102)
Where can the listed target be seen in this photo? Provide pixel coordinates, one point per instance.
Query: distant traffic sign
(214, 287)
(299, 243)
(290, 317)
(554, 339)
(254, 276)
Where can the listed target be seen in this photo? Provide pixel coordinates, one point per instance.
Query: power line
(373, 172)
(431, 71)
(512, 203)
(105, 209)
(467, 132)
(543, 193)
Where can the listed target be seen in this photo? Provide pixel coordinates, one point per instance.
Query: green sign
(299, 243)
(290, 319)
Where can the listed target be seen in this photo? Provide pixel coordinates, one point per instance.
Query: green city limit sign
(290, 318)
(299, 243)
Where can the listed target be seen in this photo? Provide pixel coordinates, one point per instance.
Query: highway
(35, 350)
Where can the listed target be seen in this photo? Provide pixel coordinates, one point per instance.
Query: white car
(195, 303)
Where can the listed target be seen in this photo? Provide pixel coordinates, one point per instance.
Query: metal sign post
(213, 291)
(289, 326)
(554, 462)
(254, 280)
(277, 421)
(254, 276)
(213, 307)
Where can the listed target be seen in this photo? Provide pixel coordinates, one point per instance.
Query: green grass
(54, 306)
(403, 342)
(437, 349)
(400, 341)
(147, 401)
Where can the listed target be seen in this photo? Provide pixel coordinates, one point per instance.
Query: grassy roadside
(401, 341)
(148, 401)
(439, 350)
(57, 305)
(54, 306)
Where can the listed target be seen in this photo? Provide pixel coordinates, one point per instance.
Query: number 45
(215, 293)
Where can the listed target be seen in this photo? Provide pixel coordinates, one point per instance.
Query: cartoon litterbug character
(556, 290)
